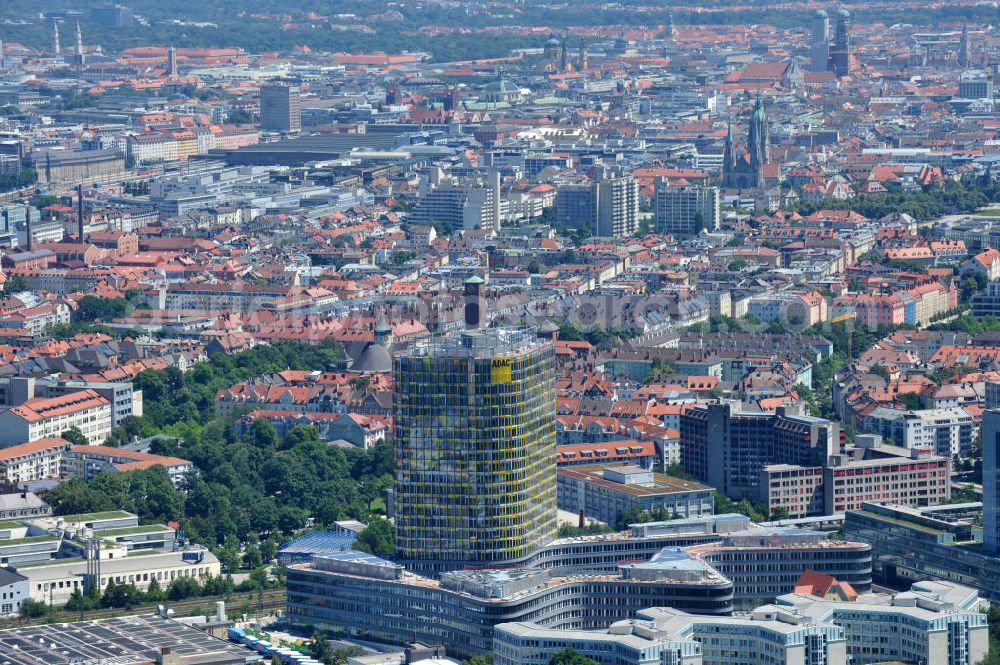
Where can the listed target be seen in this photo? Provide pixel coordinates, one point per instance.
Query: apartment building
(456, 205)
(88, 461)
(614, 576)
(685, 209)
(124, 400)
(943, 543)
(37, 460)
(447, 431)
(608, 207)
(947, 431)
(55, 581)
(280, 108)
(991, 473)
(48, 417)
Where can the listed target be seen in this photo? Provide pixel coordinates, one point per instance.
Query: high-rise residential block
(685, 209)
(280, 108)
(608, 207)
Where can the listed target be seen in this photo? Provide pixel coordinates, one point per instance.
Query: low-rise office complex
(940, 543)
(58, 555)
(606, 492)
(935, 622)
(870, 470)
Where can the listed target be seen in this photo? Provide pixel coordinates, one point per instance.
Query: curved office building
(706, 566)
(461, 608)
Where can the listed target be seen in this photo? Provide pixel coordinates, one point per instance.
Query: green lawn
(49, 562)
(129, 530)
(988, 212)
(28, 541)
(91, 517)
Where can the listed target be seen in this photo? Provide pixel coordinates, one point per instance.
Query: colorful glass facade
(475, 449)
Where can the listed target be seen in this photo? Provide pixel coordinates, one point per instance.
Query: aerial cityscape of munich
(499, 332)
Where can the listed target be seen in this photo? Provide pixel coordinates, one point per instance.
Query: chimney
(29, 241)
(166, 656)
(79, 212)
(583, 520)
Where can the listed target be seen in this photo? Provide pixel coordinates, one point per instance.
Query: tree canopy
(243, 489)
(571, 657)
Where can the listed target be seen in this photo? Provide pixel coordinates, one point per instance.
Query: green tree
(480, 660)
(252, 557)
(33, 609)
(93, 308)
(154, 592)
(634, 515)
(320, 648)
(779, 513)
(183, 587)
(15, 284)
(120, 595)
(737, 265)
(75, 436)
(660, 369)
(78, 601)
(77, 496)
(571, 657)
(910, 401)
(377, 538)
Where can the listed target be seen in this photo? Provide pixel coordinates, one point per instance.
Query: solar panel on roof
(317, 542)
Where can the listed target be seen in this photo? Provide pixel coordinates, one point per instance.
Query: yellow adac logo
(501, 370)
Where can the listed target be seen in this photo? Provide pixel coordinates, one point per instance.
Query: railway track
(268, 601)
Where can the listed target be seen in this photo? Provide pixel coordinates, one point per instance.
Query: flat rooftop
(662, 484)
(118, 641)
(481, 343)
(90, 517)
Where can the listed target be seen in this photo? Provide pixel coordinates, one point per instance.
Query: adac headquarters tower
(475, 447)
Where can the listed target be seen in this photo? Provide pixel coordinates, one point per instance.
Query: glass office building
(475, 449)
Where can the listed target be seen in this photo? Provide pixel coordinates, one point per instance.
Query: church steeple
(383, 331)
(741, 171)
(729, 154)
(758, 141)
